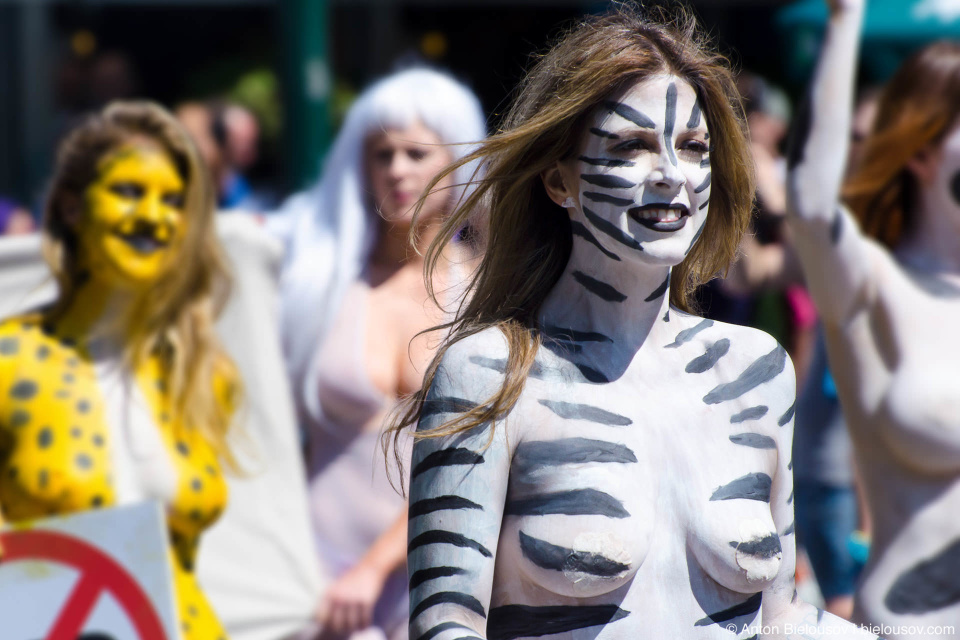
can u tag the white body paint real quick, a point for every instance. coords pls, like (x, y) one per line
(893, 346)
(684, 476)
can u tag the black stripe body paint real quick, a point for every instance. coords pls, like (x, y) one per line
(630, 114)
(607, 181)
(442, 503)
(670, 120)
(699, 232)
(608, 199)
(703, 185)
(563, 334)
(791, 529)
(694, 120)
(712, 355)
(580, 230)
(449, 597)
(929, 585)
(549, 556)
(754, 440)
(604, 134)
(576, 502)
(705, 162)
(753, 486)
(591, 374)
(434, 573)
(436, 536)
(687, 334)
(611, 230)
(763, 369)
(606, 162)
(836, 226)
(955, 187)
(590, 413)
(788, 414)
(751, 606)
(447, 404)
(750, 413)
(763, 548)
(600, 289)
(659, 291)
(704, 205)
(531, 456)
(447, 458)
(522, 621)
(440, 628)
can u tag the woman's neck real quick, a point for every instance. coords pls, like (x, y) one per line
(98, 313)
(394, 249)
(625, 301)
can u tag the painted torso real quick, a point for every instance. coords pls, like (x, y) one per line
(59, 452)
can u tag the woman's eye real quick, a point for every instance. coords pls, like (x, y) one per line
(694, 146)
(383, 156)
(174, 200)
(127, 190)
(417, 155)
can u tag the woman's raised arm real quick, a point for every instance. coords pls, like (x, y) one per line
(837, 259)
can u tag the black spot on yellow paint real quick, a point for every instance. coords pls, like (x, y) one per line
(72, 362)
(97, 440)
(83, 406)
(97, 502)
(47, 328)
(68, 342)
(19, 418)
(164, 417)
(83, 461)
(211, 471)
(69, 378)
(9, 346)
(195, 515)
(196, 485)
(183, 449)
(76, 432)
(62, 394)
(43, 352)
(192, 611)
(45, 437)
(43, 478)
(24, 390)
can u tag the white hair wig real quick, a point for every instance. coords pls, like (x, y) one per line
(329, 231)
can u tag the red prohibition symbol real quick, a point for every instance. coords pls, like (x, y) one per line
(99, 573)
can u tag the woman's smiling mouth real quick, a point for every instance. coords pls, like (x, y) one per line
(143, 242)
(660, 217)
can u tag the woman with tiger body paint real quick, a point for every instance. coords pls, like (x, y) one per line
(885, 275)
(592, 459)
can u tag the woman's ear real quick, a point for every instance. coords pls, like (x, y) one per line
(556, 186)
(924, 164)
(71, 209)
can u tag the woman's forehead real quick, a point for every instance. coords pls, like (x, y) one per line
(655, 102)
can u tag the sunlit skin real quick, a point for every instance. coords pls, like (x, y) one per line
(55, 442)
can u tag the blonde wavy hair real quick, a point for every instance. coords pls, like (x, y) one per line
(527, 237)
(176, 321)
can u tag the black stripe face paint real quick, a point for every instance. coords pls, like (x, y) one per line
(763, 369)
(753, 486)
(632, 115)
(703, 185)
(581, 231)
(605, 198)
(549, 556)
(603, 134)
(659, 291)
(607, 181)
(670, 120)
(522, 621)
(576, 502)
(600, 289)
(752, 413)
(606, 162)
(532, 456)
(705, 163)
(750, 607)
(713, 354)
(611, 230)
(573, 411)
(788, 415)
(694, 121)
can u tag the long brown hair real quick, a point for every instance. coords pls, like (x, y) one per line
(916, 109)
(177, 319)
(527, 237)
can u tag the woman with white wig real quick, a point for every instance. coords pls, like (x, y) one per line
(353, 302)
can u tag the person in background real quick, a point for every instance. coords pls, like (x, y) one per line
(15, 219)
(354, 299)
(119, 391)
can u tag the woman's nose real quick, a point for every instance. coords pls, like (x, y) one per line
(666, 175)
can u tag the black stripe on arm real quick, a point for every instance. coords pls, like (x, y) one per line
(579, 230)
(836, 226)
(750, 606)
(530, 456)
(445, 404)
(521, 621)
(753, 486)
(751, 413)
(687, 334)
(710, 357)
(630, 114)
(437, 536)
(442, 503)
(659, 291)
(447, 458)
(610, 229)
(440, 628)
(576, 502)
(590, 413)
(433, 573)
(550, 556)
(763, 369)
(449, 597)
(606, 162)
(608, 199)
(754, 440)
(598, 288)
(607, 181)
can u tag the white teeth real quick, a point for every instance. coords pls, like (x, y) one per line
(661, 215)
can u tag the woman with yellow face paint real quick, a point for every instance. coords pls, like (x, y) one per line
(119, 391)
